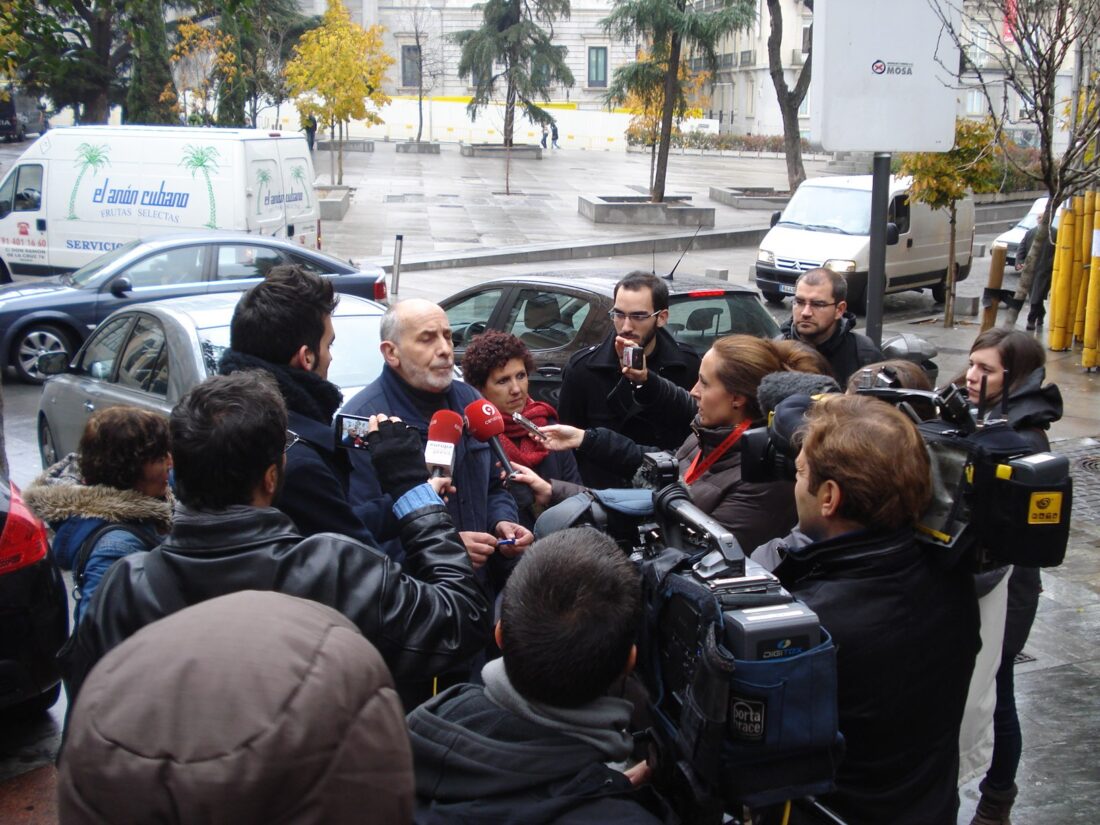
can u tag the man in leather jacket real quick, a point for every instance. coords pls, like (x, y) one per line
(228, 440)
(820, 318)
(905, 626)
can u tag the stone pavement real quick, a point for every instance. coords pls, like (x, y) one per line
(446, 203)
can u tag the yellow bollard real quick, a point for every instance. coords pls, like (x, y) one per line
(1092, 302)
(1063, 280)
(1086, 269)
(1078, 266)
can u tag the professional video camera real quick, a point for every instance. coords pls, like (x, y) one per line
(995, 500)
(741, 676)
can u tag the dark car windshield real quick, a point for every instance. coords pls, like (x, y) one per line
(702, 316)
(90, 270)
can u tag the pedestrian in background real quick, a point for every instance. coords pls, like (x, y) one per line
(554, 134)
(545, 135)
(310, 128)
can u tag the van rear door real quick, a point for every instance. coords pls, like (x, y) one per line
(302, 209)
(23, 226)
(264, 213)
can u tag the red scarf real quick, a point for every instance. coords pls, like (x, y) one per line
(696, 469)
(519, 445)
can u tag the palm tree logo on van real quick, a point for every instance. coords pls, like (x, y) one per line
(262, 177)
(299, 174)
(203, 159)
(87, 157)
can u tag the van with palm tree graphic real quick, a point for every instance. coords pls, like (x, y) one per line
(79, 192)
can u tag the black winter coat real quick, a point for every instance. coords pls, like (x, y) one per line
(424, 618)
(317, 477)
(594, 393)
(846, 350)
(906, 635)
(479, 764)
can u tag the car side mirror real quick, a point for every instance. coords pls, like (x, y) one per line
(891, 233)
(53, 363)
(775, 218)
(121, 286)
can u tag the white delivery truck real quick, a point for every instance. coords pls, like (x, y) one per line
(827, 223)
(79, 192)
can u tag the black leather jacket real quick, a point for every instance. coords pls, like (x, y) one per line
(424, 618)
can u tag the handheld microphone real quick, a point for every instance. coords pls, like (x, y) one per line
(486, 423)
(444, 432)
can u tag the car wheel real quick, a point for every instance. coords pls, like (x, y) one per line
(47, 446)
(40, 703)
(774, 298)
(939, 292)
(858, 304)
(33, 341)
(5, 276)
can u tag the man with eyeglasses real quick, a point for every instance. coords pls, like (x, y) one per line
(820, 318)
(229, 438)
(595, 391)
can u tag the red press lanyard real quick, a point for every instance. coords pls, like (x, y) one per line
(696, 469)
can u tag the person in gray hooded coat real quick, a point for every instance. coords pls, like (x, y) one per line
(256, 707)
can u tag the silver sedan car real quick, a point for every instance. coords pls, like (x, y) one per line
(150, 355)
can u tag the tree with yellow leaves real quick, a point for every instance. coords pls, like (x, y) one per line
(203, 59)
(336, 69)
(639, 87)
(942, 179)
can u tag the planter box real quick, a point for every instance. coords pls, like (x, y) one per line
(334, 202)
(424, 147)
(352, 145)
(745, 197)
(636, 209)
(521, 151)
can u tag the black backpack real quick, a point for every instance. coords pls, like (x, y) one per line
(89, 545)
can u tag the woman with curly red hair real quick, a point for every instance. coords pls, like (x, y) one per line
(498, 365)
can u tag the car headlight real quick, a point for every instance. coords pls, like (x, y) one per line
(840, 265)
(765, 257)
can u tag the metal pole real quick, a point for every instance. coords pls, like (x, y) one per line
(876, 275)
(395, 278)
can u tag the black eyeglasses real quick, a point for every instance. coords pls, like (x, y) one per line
(816, 306)
(619, 316)
(292, 438)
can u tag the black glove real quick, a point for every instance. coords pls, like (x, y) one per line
(397, 454)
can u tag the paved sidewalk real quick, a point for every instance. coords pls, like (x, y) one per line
(447, 203)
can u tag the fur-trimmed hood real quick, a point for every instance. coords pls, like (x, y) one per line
(59, 494)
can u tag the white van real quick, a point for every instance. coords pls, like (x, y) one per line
(79, 192)
(828, 222)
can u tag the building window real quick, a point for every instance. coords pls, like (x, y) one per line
(597, 66)
(975, 102)
(410, 65)
(804, 106)
(807, 38)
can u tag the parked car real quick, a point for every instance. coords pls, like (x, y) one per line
(827, 223)
(150, 355)
(1011, 239)
(558, 313)
(34, 610)
(55, 314)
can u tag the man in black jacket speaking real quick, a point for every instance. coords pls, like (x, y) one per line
(228, 439)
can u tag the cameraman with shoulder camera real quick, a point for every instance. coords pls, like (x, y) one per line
(906, 630)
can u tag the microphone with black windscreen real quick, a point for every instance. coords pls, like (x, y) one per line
(444, 432)
(486, 423)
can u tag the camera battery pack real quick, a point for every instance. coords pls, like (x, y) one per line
(771, 632)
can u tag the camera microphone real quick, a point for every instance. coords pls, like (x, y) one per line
(444, 432)
(486, 423)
